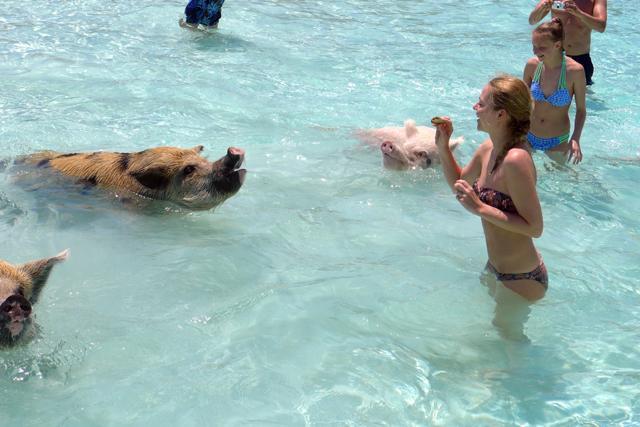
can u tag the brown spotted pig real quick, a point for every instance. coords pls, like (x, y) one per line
(178, 175)
(20, 287)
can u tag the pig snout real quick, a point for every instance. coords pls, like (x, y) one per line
(234, 158)
(387, 147)
(394, 156)
(16, 308)
(228, 176)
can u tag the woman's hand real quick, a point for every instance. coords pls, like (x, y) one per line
(467, 197)
(575, 153)
(444, 130)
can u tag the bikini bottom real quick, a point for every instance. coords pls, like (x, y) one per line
(539, 274)
(545, 144)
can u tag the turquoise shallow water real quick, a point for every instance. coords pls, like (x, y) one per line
(328, 291)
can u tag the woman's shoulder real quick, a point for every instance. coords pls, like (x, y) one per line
(483, 149)
(518, 157)
(533, 61)
(531, 64)
(530, 69)
(573, 65)
(486, 146)
(575, 72)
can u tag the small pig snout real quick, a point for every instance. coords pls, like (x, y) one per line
(387, 147)
(234, 158)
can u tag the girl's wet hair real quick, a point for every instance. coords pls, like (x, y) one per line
(553, 29)
(512, 95)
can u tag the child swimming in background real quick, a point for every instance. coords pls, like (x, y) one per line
(202, 14)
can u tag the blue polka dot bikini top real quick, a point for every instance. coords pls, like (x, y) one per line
(559, 98)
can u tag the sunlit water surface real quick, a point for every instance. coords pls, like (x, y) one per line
(328, 291)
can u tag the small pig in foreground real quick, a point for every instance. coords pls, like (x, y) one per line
(407, 147)
(20, 287)
(177, 175)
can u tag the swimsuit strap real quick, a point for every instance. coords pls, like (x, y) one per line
(536, 75)
(562, 83)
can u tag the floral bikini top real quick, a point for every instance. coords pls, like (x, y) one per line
(494, 198)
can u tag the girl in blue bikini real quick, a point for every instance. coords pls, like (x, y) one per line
(555, 80)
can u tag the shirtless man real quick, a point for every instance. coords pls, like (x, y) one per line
(579, 18)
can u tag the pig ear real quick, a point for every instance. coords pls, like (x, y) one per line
(153, 178)
(39, 271)
(410, 128)
(198, 148)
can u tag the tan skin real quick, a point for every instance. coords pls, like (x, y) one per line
(550, 121)
(508, 236)
(579, 18)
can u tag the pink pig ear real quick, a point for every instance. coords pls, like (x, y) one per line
(410, 128)
(198, 148)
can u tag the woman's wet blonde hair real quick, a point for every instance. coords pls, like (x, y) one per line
(512, 95)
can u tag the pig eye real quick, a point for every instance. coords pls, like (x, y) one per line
(188, 170)
(427, 159)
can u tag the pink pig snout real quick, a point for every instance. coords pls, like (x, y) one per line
(387, 147)
(234, 158)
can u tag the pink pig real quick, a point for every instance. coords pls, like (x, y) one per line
(407, 147)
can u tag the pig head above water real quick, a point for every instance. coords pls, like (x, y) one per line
(406, 147)
(20, 287)
(177, 175)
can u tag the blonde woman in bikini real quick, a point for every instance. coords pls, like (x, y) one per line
(499, 185)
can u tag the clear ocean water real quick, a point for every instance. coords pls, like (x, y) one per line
(328, 291)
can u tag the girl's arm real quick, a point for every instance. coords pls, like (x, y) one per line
(453, 171)
(579, 92)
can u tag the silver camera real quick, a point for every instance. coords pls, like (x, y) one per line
(558, 5)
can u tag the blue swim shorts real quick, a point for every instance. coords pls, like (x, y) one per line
(203, 12)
